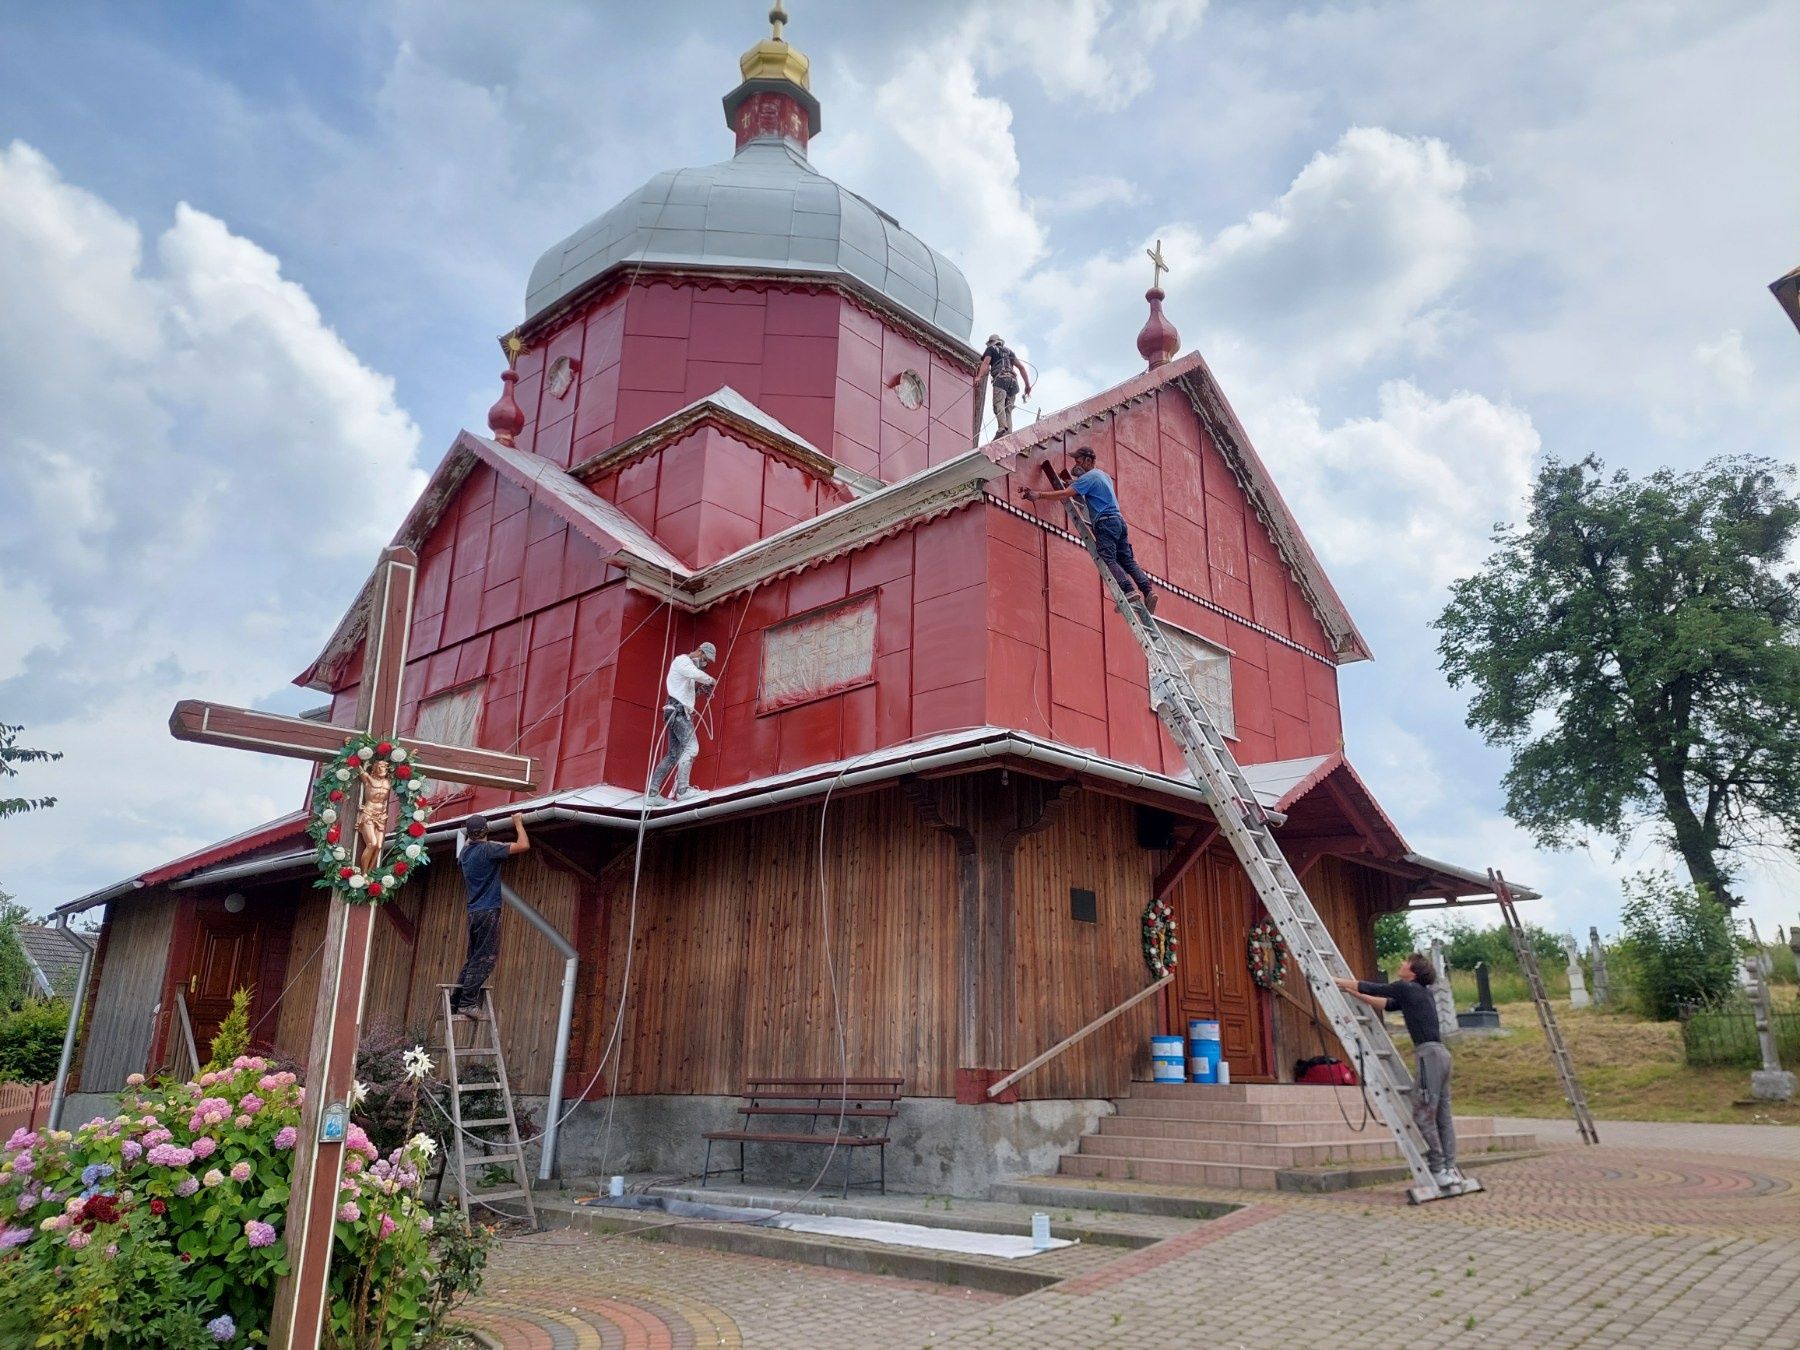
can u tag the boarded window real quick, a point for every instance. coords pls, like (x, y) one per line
(1208, 667)
(824, 652)
(450, 718)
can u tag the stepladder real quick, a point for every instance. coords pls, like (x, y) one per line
(1553, 1037)
(486, 1157)
(1246, 826)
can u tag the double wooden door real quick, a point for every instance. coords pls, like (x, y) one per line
(1214, 910)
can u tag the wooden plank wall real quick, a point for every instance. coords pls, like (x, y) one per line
(730, 976)
(117, 1037)
(1068, 972)
(1347, 897)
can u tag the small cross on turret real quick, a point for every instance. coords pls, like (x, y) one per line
(1157, 265)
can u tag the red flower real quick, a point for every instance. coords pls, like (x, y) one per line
(384, 747)
(346, 872)
(332, 835)
(404, 771)
(337, 794)
(185, 1258)
(159, 1206)
(374, 888)
(416, 829)
(400, 869)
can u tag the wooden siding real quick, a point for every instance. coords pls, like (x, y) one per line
(1347, 898)
(1070, 972)
(117, 1036)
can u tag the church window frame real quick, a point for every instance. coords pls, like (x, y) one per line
(1208, 667)
(451, 713)
(842, 670)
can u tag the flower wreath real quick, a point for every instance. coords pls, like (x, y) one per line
(1268, 955)
(1159, 938)
(404, 851)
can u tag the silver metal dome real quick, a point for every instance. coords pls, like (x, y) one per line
(765, 208)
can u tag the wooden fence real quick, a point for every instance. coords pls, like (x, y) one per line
(23, 1106)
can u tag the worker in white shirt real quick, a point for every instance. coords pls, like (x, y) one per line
(687, 677)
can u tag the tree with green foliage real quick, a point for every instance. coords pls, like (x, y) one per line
(1394, 939)
(11, 753)
(1677, 944)
(18, 982)
(1636, 647)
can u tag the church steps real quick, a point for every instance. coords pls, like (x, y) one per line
(1264, 1132)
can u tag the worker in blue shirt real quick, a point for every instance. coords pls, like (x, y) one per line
(1110, 535)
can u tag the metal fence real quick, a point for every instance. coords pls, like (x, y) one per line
(1728, 1037)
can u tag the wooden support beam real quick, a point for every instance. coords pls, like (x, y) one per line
(1186, 854)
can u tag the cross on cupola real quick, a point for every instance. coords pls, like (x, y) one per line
(1157, 265)
(1157, 340)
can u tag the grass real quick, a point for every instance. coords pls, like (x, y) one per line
(1630, 1069)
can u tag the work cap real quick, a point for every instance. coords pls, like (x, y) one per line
(995, 338)
(475, 825)
(707, 650)
(1084, 453)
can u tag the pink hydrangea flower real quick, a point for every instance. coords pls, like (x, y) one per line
(134, 1080)
(213, 1178)
(131, 1150)
(260, 1234)
(240, 1172)
(256, 1062)
(352, 1163)
(388, 1225)
(22, 1138)
(79, 1239)
(242, 1122)
(24, 1162)
(426, 1223)
(286, 1136)
(203, 1146)
(56, 1223)
(187, 1186)
(171, 1155)
(155, 1137)
(349, 1212)
(250, 1103)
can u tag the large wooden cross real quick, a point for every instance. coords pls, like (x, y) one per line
(301, 1297)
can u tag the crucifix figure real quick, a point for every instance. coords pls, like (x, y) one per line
(1157, 265)
(301, 1296)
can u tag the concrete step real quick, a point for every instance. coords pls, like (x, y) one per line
(1076, 1193)
(1319, 1154)
(1166, 1171)
(1265, 1132)
(1289, 1094)
(1179, 1109)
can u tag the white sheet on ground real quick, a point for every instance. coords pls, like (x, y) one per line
(1008, 1245)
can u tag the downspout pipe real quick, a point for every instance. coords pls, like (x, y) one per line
(565, 1019)
(59, 1093)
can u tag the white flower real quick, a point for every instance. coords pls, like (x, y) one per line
(358, 1093)
(328, 815)
(358, 881)
(366, 752)
(337, 854)
(398, 755)
(417, 1064)
(420, 813)
(342, 775)
(387, 883)
(413, 850)
(423, 1144)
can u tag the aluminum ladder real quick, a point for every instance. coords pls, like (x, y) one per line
(469, 1151)
(1242, 820)
(1559, 1052)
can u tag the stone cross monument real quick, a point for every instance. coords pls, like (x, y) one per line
(1771, 1083)
(1440, 992)
(1597, 959)
(1578, 994)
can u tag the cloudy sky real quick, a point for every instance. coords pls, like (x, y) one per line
(252, 259)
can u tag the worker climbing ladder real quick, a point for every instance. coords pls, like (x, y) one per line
(1559, 1052)
(1245, 825)
(470, 1153)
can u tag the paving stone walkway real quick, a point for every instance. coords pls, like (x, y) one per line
(1690, 1240)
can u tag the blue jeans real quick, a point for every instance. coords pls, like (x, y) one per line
(1115, 551)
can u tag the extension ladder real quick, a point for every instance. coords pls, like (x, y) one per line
(1559, 1052)
(1245, 824)
(469, 1151)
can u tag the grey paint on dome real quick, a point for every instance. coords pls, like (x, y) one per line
(766, 207)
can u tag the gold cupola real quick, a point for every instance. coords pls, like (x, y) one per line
(775, 98)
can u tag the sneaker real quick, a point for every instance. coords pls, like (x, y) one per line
(1446, 1177)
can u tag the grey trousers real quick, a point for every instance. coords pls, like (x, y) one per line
(683, 749)
(1431, 1104)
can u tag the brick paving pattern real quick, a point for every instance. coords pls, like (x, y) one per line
(1691, 1240)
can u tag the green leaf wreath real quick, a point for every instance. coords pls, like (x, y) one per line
(403, 850)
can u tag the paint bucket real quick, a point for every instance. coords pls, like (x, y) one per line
(1040, 1232)
(1202, 1029)
(1200, 1070)
(1167, 1062)
(1222, 1070)
(1203, 1043)
(617, 1188)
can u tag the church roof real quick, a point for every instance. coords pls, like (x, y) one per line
(765, 209)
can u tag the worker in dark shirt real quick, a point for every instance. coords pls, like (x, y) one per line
(1001, 363)
(1111, 538)
(480, 858)
(1410, 996)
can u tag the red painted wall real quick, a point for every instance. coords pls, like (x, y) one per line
(817, 361)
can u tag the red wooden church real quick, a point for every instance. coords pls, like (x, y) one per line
(930, 777)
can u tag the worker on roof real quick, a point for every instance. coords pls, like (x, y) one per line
(1113, 541)
(687, 676)
(1002, 364)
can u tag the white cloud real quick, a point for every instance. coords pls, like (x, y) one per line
(1727, 364)
(208, 472)
(1091, 50)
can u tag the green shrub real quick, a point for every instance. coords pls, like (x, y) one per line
(31, 1041)
(1725, 1036)
(1679, 946)
(233, 1038)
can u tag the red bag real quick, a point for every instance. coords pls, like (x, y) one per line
(1330, 1071)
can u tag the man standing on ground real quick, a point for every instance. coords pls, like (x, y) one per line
(1002, 364)
(479, 858)
(687, 676)
(1410, 996)
(1096, 491)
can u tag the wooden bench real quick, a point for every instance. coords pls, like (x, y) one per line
(836, 1101)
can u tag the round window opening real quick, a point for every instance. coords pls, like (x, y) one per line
(911, 389)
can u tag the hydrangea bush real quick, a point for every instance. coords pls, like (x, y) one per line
(162, 1225)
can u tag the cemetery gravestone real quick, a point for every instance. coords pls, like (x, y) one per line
(1484, 1016)
(1578, 994)
(1440, 992)
(1597, 959)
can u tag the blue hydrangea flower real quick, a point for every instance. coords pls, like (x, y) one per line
(222, 1328)
(91, 1174)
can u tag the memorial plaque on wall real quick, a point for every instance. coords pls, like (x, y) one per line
(824, 652)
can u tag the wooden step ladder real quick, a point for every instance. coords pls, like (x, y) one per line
(1559, 1052)
(1245, 825)
(469, 1151)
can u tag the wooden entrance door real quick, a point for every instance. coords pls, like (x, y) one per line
(226, 955)
(1214, 910)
